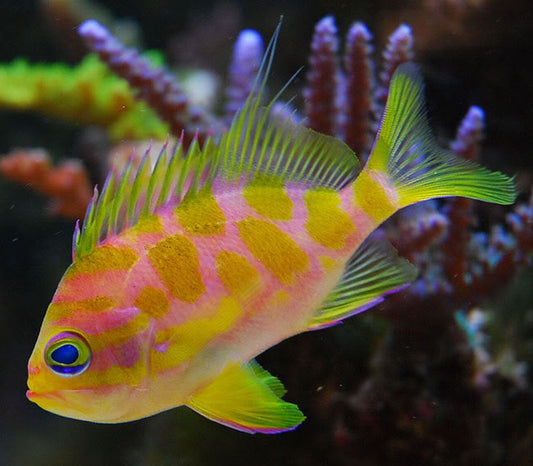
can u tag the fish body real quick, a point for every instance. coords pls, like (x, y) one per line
(184, 272)
(205, 292)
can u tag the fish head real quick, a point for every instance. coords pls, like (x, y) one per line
(91, 365)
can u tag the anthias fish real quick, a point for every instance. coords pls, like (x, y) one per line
(185, 271)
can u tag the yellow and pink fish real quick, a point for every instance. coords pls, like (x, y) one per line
(184, 272)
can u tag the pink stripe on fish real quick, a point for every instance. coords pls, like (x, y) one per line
(87, 286)
(106, 321)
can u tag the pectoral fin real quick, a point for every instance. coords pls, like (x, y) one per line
(247, 398)
(373, 271)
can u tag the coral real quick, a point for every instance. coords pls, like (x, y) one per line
(156, 86)
(434, 361)
(339, 102)
(321, 92)
(469, 134)
(247, 56)
(459, 211)
(437, 359)
(357, 115)
(87, 93)
(348, 102)
(63, 17)
(400, 48)
(455, 263)
(521, 223)
(90, 94)
(460, 265)
(67, 186)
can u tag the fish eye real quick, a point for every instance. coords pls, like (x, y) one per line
(67, 354)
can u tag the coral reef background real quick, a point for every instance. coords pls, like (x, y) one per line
(439, 375)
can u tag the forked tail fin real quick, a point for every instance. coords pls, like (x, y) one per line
(413, 162)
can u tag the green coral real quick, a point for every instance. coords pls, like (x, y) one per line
(87, 93)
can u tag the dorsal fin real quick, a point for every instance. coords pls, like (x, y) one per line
(139, 192)
(262, 147)
(258, 148)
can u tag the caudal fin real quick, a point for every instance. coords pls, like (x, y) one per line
(416, 165)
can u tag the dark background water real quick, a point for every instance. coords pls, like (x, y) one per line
(471, 53)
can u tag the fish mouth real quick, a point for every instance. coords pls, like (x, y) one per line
(36, 396)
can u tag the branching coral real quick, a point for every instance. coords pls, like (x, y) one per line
(407, 404)
(157, 87)
(430, 368)
(400, 48)
(68, 185)
(87, 93)
(357, 99)
(348, 102)
(459, 265)
(321, 92)
(339, 102)
(247, 56)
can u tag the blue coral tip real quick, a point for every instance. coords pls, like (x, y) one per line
(93, 28)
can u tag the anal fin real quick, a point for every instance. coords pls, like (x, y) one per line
(247, 398)
(373, 271)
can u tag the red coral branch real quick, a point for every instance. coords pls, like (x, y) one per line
(68, 185)
(357, 104)
(321, 92)
(400, 49)
(459, 210)
(417, 228)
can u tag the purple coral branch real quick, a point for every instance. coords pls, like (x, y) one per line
(247, 56)
(521, 224)
(356, 108)
(400, 49)
(469, 134)
(155, 85)
(466, 265)
(320, 93)
(459, 210)
(417, 228)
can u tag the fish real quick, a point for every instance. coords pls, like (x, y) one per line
(187, 268)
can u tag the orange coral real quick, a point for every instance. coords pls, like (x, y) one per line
(67, 185)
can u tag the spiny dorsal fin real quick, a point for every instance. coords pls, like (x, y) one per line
(258, 148)
(374, 270)
(138, 192)
(247, 398)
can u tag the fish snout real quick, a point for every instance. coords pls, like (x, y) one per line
(33, 370)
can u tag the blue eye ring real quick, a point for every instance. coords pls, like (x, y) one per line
(67, 354)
